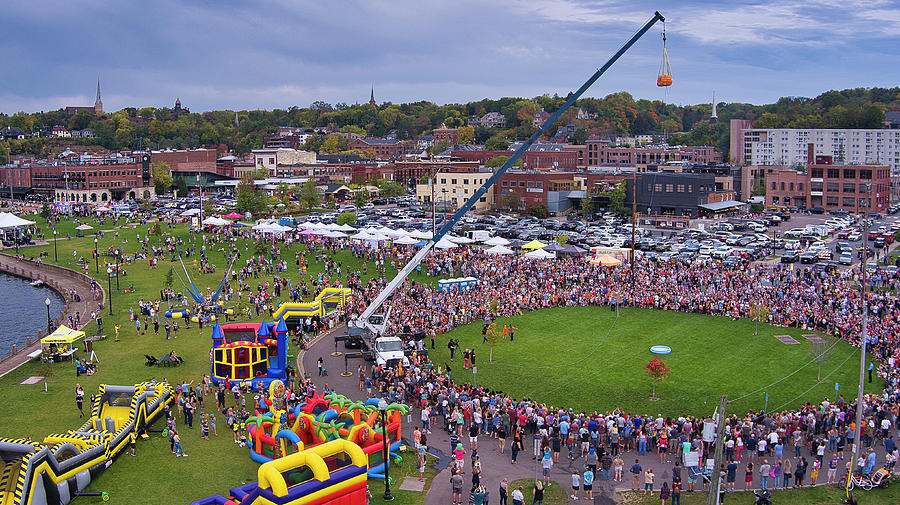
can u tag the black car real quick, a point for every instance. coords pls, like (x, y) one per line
(816, 210)
(790, 257)
(809, 258)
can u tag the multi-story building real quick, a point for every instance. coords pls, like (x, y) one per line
(493, 120)
(443, 133)
(382, 149)
(788, 146)
(451, 190)
(192, 159)
(413, 172)
(87, 180)
(674, 193)
(533, 186)
(829, 185)
(271, 159)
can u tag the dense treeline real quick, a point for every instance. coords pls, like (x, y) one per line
(615, 114)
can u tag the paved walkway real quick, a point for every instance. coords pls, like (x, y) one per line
(63, 281)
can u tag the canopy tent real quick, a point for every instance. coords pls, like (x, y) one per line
(445, 244)
(84, 227)
(499, 250)
(215, 221)
(534, 245)
(190, 212)
(425, 235)
(554, 248)
(240, 225)
(540, 254)
(496, 241)
(8, 220)
(459, 240)
(233, 215)
(515, 243)
(606, 260)
(309, 231)
(407, 240)
(362, 235)
(102, 208)
(335, 234)
(63, 335)
(344, 227)
(573, 249)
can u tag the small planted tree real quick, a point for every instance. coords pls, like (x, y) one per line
(657, 370)
(758, 313)
(492, 334)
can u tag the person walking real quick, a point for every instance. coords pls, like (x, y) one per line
(79, 398)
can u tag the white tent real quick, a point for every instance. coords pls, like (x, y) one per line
(308, 225)
(335, 234)
(362, 235)
(499, 249)
(190, 212)
(496, 241)
(445, 244)
(379, 237)
(216, 221)
(407, 240)
(424, 235)
(84, 227)
(540, 254)
(345, 227)
(459, 240)
(8, 220)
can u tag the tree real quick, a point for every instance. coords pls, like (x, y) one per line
(617, 200)
(587, 206)
(510, 200)
(346, 218)
(388, 189)
(539, 210)
(334, 144)
(248, 200)
(309, 194)
(562, 239)
(162, 177)
(498, 142)
(758, 313)
(465, 134)
(498, 161)
(169, 280)
(440, 147)
(492, 334)
(657, 370)
(45, 211)
(181, 187)
(361, 197)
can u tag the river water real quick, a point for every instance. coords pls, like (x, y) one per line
(23, 311)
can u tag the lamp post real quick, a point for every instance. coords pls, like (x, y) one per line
(109, 287)
(96, 255)
(47, 303)
(55, 255)
(117, 268)
(382, 409)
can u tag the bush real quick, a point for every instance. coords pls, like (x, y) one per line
(346, 218)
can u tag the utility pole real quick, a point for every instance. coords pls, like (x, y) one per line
(434, 175)
(863, 337)
(714, 480)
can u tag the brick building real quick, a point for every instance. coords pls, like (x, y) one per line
(382, 149)
(412, 172)
(533, 186)
(451, 135)
(194, 159)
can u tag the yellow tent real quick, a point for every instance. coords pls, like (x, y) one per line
(534, 245)
(606, 260)
(63, 335)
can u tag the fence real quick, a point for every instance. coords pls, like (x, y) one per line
(52, 276)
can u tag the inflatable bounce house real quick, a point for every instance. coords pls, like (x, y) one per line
(323, 306)
(333, 473)
(281, 430)
(56, 470)
(249, 352)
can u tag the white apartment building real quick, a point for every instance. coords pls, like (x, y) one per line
(271, 159)
(788, 146)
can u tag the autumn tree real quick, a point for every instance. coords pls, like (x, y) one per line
(162, 177)
(465, 135)
(758, 313)
(309, 194)
(658, 371)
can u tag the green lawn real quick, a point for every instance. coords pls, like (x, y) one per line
(582, 360)
(213, 466)
(553, 495)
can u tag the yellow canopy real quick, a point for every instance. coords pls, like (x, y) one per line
(534, 245)
(63, 335)
(606, 260)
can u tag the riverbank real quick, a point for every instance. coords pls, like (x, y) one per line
(62, 280)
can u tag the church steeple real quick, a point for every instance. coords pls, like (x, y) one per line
(715, 115)
(98, 104)
(372, 97)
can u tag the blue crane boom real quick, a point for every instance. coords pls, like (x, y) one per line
(392, 286)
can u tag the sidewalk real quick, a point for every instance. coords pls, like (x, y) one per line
(61, 280)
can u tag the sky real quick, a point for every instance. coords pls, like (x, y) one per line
(245, 55)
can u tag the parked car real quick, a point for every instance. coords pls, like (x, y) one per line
(846, 259)
(790, 257)
(809, 258)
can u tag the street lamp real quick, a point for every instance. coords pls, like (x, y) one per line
(96, 255)
(47, 303)
(382, 408)
(55, 256)
(109, 287)
(117, 268)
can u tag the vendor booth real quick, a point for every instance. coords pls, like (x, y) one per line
(60, 344)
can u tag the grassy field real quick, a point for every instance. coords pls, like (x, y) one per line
(553, 495)
(213, 466)
(584, 358)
